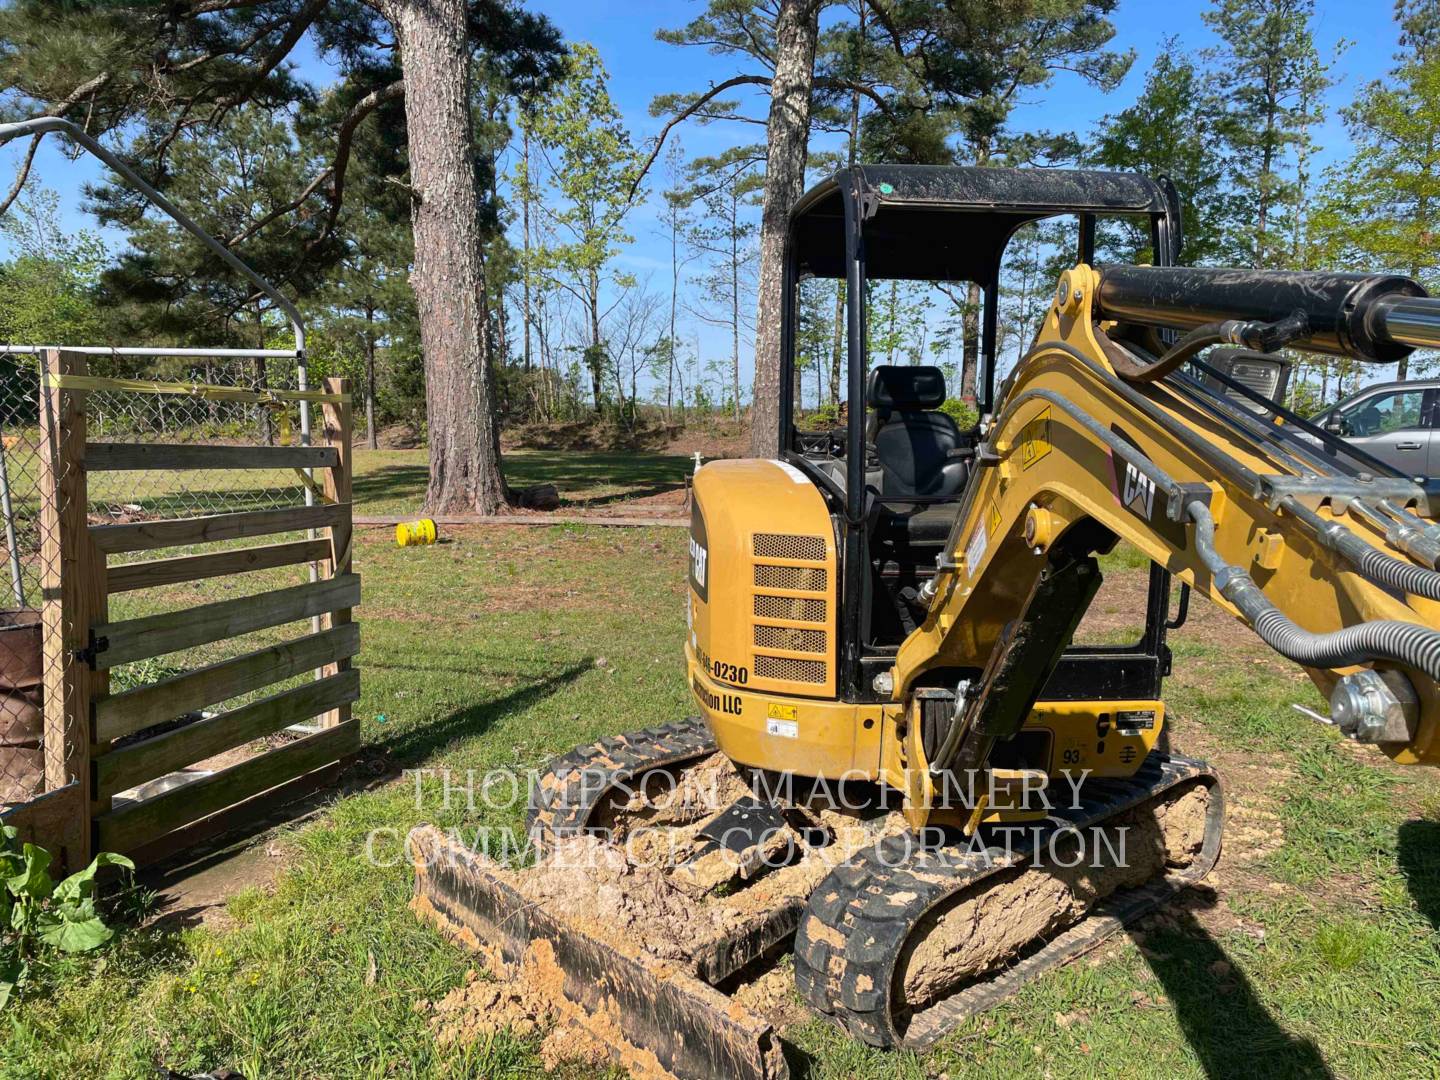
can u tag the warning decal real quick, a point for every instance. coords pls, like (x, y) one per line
(1035, 439)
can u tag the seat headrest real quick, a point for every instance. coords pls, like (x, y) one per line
(893, 386)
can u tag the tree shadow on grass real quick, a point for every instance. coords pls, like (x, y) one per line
(416, 744)
(1419, 857)
(1224, 1020)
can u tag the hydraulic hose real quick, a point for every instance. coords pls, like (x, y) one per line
(1374, 564)
(1400, 642)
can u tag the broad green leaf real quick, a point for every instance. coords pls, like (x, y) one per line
(82, 882)
(75, 936)
(34, 878)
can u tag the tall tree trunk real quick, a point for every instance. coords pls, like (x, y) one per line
(595, 359)
(837, 344)
(372, 438)
(525, 224)
(735, 298)
(970, 331)
(267, 424)
(448, 278)
(787, 139)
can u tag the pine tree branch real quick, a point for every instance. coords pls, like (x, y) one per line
(22, 175)
(687, 112)
(86, 89)
(335, 171)
(272, 59)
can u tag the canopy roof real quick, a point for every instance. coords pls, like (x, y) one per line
(941, 223)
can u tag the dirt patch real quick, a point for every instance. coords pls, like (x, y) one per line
(481, 1006)
(976, 934)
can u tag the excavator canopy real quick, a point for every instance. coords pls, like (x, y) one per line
(897, 205)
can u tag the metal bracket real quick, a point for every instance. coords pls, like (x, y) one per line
(88, 654)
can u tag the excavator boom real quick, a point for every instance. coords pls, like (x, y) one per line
(1100, 435)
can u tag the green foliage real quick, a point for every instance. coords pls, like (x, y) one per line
(596, 166)
(1171, 130)
(35, 911)
(1379, 209)
(1269, 77)
(49, 286)
(962, 412)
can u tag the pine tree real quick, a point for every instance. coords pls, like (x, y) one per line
(1172, 130)
(1380, 208)
(594, 173)
(1270, 78)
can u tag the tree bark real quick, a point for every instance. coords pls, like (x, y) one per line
(786, 143)
(372, 439)
(970, 331)
(448, 278)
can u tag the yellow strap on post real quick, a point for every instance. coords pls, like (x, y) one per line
(201, 390)
(309, 482)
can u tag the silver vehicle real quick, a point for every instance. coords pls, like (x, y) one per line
(1394, 422)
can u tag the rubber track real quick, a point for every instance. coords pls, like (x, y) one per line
(856, 923)
(567, 793)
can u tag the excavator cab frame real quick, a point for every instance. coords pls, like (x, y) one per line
(870, 223)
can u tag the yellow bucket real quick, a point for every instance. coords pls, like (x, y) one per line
(414, 533)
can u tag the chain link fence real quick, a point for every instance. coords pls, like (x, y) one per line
(115, 415)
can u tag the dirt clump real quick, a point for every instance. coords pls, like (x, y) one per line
(481, 1006)
(592, 885)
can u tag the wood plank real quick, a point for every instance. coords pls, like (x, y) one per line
(170, 631)
(72, 581)
(173, 532)
(138, 823)
(156, 572)
(121, 769)
(123, 457)
(248, 818)
(124, 714)
(58, 821)
(338, 424)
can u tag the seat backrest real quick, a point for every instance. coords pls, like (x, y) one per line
(912, 439)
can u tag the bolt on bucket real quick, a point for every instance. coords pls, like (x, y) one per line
(415, 533)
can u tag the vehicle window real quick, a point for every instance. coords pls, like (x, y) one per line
(1384, 413)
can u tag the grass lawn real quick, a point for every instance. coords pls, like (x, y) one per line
(1316, 952)
(393, 481)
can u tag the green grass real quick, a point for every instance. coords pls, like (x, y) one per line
(483, 653)
(393, 481)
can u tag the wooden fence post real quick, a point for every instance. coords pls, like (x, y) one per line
(337, 482)
(73, 587)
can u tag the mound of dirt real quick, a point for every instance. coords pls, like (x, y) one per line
(480, 1007)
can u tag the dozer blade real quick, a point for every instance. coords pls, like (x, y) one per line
(658, 1018)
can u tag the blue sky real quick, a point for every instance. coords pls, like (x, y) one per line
(641, 67)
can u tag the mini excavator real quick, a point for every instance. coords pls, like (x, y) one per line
(892, 606)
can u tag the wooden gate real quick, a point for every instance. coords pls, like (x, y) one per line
(155, 729)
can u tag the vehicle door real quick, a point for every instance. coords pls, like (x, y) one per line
(1394, 425)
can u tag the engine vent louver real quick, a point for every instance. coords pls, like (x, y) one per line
(794, 608)
(769, 608)
(788, 669)
(790, 638)
(800, 578)
(785, 546)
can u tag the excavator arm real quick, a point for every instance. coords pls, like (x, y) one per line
(1099, 439)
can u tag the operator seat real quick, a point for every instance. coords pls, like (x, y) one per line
(918, 448)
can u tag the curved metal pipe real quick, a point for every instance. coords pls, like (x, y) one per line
(42, 124)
